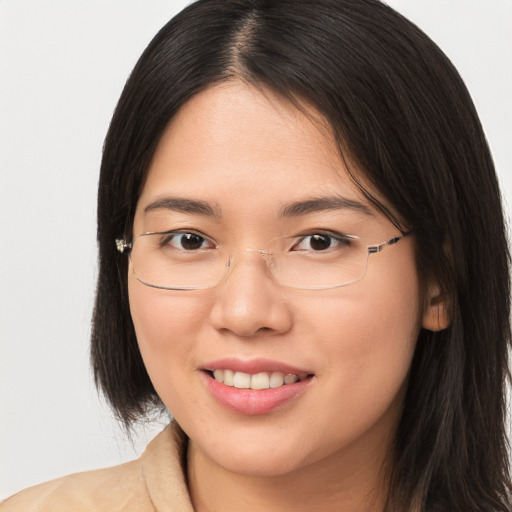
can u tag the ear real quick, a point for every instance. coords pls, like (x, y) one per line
(437, 310)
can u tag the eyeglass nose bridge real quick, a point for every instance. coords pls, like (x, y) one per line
(267, 255)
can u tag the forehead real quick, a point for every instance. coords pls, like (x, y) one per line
(235, 145)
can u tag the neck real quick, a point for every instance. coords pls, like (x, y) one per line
(351, 481)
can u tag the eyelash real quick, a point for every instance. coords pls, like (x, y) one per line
(171, 235)
(338, 238)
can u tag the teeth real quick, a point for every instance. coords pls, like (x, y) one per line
(276, 380)
(229, 377)
(291, 378)
(262, 380)
(242, 380)
(219, 375)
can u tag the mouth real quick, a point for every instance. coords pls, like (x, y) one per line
(256, 381)
(255, 387)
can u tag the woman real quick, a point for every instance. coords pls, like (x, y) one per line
(337, 344)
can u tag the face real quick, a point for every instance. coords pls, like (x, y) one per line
(246, 155)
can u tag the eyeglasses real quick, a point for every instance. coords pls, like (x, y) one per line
(184, 260)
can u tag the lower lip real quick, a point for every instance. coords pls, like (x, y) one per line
(252, 402)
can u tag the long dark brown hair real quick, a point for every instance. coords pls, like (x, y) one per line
(403, 117)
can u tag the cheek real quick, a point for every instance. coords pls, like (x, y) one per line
(166, 325)
(366, 343)
(367, 336)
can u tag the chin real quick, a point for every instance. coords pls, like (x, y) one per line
(261, 464)
(253, 452)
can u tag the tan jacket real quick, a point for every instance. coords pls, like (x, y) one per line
(154, 482)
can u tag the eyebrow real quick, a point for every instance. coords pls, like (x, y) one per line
(179, 204)
(295, 209)
(321, 204)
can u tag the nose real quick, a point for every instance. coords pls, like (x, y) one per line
(248, 302)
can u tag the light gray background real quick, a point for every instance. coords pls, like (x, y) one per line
(62, 67)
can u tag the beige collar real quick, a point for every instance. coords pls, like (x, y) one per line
(163, 468)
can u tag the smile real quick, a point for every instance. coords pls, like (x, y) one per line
(258, 381)
(261, 388)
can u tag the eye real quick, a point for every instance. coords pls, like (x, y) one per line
(322, 242)
(187, 241)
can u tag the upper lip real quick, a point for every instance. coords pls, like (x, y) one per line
(253, 366)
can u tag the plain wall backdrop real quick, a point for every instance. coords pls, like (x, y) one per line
(63, 64)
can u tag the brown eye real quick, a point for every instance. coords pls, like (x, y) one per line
(191, 241)
(320, 242)
(186, 241)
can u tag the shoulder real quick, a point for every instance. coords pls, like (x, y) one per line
(138, 486)
(105, 489)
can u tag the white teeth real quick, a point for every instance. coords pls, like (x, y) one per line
(276, 380)
(262, 380)
(291, 378)
(229, 377)
(242, 380)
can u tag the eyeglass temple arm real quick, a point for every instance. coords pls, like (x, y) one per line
(380, 247)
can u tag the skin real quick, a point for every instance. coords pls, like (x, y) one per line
(246, 152)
